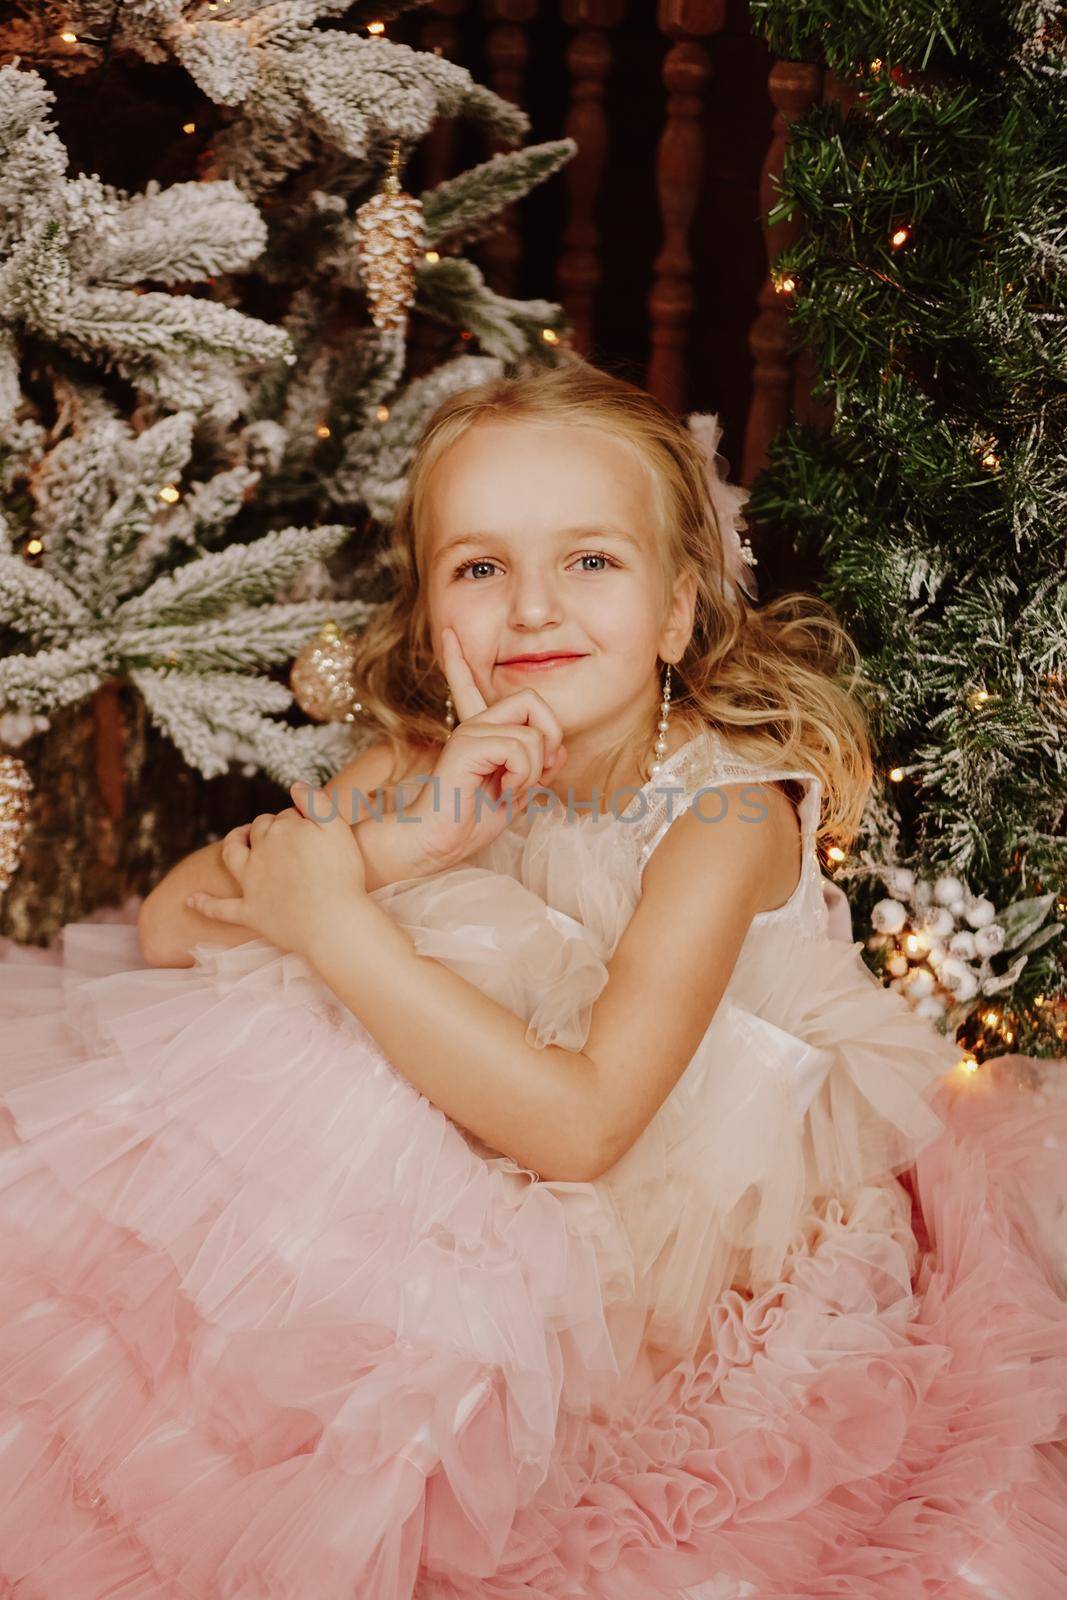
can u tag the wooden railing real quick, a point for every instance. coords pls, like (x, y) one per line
(681, 98)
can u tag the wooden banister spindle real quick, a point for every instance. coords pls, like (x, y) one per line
(428, 341)
(679, 169)
(508, 54)
(441, 36)
(793, 87)
(589, 59)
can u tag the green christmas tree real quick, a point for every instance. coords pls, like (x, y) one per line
(928, 281)
(189, 483)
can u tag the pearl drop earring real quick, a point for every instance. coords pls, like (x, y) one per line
(450, 715)
(664, 718)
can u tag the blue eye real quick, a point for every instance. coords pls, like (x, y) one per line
(467, 564)
(590, 555)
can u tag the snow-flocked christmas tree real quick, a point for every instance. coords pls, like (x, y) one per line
(206, 391)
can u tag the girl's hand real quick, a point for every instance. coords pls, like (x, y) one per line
(512, 745)
(291, 868)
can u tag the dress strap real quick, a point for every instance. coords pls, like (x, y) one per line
(809, 806)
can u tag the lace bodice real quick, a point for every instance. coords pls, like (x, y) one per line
(549, 851)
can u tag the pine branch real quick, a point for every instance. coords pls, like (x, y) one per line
(243, 573)
(453, 291)
(930, 291)
(458, 208)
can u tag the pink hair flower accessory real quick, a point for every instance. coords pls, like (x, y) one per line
(728, 501)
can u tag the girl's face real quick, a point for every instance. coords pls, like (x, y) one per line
(542, 539)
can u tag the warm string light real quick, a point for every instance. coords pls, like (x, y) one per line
(170, 493)
(382, 413)
(836, 853)
(996, 1022)
(896, 774)
(188, 127)
(997, 1028)
(34, 547)
(323, 431)
(375, 28)
(784, 282)
(68, 37)
(550, 336)
(900, 236)
(432, 255)
(986, 449)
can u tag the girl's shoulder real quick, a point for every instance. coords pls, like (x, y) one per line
(706, 761)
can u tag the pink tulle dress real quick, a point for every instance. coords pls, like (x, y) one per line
(272, 1327)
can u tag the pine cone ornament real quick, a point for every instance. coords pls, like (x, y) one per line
(390, 233)
(321, 676)
(15, 788)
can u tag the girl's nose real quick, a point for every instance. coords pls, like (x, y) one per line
(535, 602)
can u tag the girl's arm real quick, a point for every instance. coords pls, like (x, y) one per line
(569, 1115)
(168, 928)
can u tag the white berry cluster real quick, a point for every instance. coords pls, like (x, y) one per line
(942, 937)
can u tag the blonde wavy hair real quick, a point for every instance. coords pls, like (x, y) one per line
(781, 682)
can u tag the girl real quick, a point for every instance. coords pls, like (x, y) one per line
(513, 1190)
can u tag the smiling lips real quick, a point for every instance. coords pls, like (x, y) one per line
(541, 663)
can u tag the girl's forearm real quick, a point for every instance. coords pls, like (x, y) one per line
(390, 850)
(463, 1051)
(167, 928)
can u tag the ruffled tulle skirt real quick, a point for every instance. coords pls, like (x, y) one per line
(272, 1325)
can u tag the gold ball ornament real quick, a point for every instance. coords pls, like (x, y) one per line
(322, 677)
(389, 228)
(16, 787)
